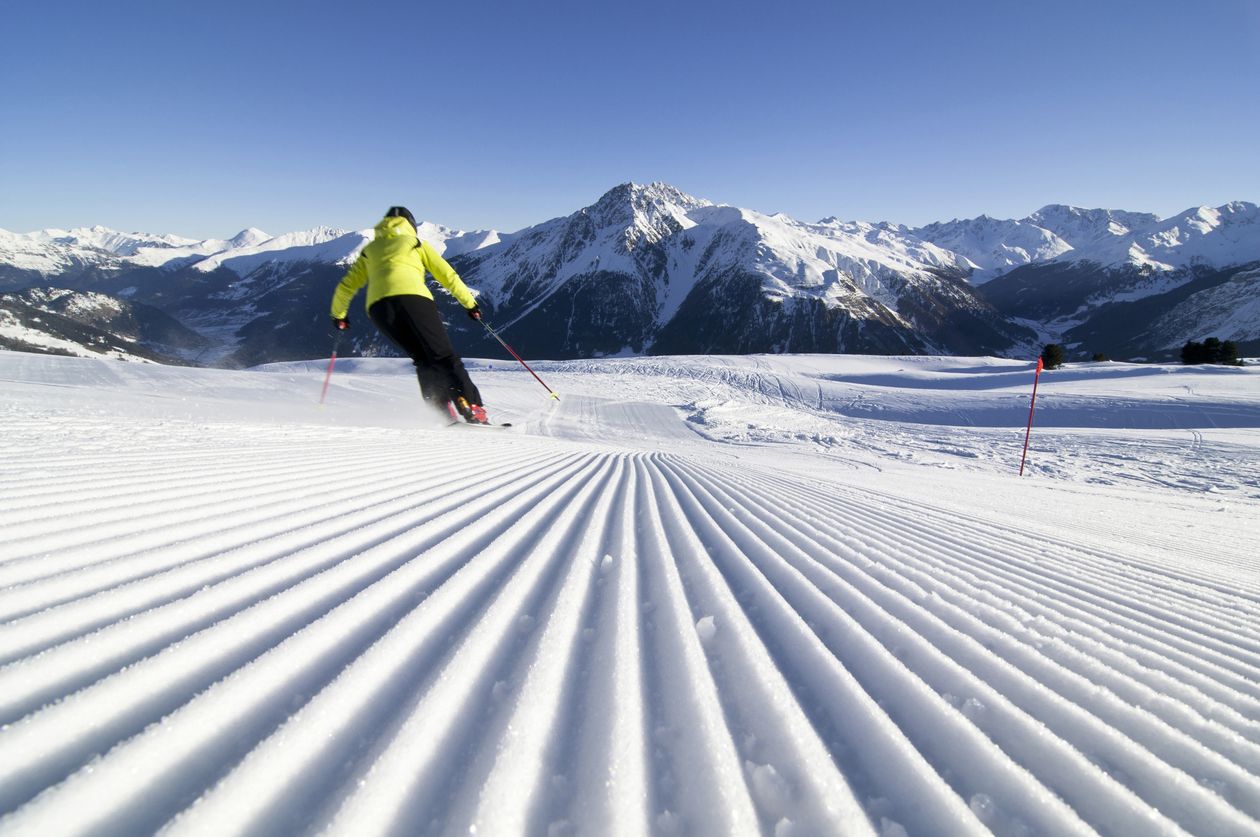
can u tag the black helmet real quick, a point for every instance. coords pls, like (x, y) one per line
(402, 212)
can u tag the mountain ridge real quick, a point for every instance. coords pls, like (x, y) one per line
(640, 269)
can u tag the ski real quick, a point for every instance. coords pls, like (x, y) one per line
(483, 426)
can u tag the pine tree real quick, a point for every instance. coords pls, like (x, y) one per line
(1052, 355)
(1211, 350)
(1192, 353)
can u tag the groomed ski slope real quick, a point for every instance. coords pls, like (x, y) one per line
(788, 596)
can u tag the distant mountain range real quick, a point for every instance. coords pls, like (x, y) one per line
(652, 270)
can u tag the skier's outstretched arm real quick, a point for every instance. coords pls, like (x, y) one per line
(446, 275)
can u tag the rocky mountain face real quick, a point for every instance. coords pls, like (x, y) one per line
(60, 321)
(652, 270)
(1143, 291)
(648, 269)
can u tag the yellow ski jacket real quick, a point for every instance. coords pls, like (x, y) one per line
(394, 264)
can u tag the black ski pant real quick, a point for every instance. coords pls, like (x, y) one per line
(413, 324)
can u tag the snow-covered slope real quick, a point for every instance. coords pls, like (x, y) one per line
(193, 252)
(86, 324)
(22, 330)
(1233, 308)
(1141, 291)
(1057, 231)
(842, 260)
(50, 251)
(993, 246)
(1109, 239)
(779, 595)
(620, 233)
(1203, 236)
(322, 244)
(1084, 229)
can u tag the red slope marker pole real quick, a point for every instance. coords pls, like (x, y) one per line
(1041, 364)
(331, 362)
(513, 353)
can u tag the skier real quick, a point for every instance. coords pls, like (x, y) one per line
(399, 302)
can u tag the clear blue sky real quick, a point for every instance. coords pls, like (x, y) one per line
(201, 118)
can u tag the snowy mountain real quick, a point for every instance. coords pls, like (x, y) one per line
(650, 269)
(761, 595)
(1200, 237)
(193, 252)
(320, 245)
(1116, 291)
(54, 252)
(59, 252)
(51, 251)
(995, 246)
(84, 324)
(238, 294)
(991, 246)
(1084, 229)
(1232, 306)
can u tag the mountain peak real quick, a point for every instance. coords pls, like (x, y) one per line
(643, 213)
(1239, 208)
(993, 245)
(249, 237)
(1089, 229)
(1059, 209)
(623, 202)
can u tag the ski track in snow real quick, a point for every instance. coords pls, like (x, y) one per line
(590, 623)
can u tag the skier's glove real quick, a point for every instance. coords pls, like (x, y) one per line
(474, 313)
(340, 323)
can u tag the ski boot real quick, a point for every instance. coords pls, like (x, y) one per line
(472, 413)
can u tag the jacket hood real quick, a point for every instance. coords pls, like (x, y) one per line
(393, 227)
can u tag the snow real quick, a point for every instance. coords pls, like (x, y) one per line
(40, 252)
(832, 259)
(12, 329)
(51, 251)
(451, 242)
(1218, 237)
(769, 594)
(1233, 308)
(322, 244)
(874, 259)
(1083, 228)
(99, 238)
(865, 267)
(994, 246)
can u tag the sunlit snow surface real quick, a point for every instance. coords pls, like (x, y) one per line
(781, 595)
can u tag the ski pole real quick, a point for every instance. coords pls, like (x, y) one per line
(1037, 377)
(331, 361)
(513, 353)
